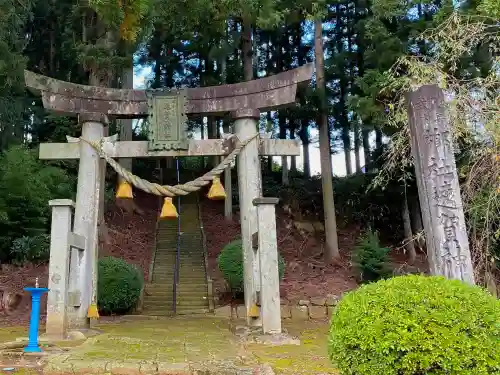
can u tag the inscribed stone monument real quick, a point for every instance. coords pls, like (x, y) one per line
(438, 185)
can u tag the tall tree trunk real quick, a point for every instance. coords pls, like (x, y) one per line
(332, 246)
(343, 119)
(125, 126)
(409, 245)
(247, 50)
(284, 159)
(378, 138)
(304, 137)
(304, 121)
(102, 79)
(357, 145)
(417, 224)
(346, 140)
(366, 148)
(228, 184)
(269, 158)
(293, 159)
(212, 134)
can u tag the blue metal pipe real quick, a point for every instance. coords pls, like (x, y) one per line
(36, 293)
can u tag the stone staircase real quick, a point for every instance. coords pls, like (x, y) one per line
(192, 287)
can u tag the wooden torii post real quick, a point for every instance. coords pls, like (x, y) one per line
(95, 105)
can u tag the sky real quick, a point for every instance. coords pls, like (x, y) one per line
(142, 75)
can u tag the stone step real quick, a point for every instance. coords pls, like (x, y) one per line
(194, 228)
(160, 306)
(189, 269)
(183, 279)
(192, 302)
(191, 292)
(157, 313)
(167, 294)
(183, 300)
(167, 305)
(200, 289)
(196, 311)
(191, 308)
(184, 273)
(183, 286)
(186, 280)
(170, 259)
(163, 261)
(185, 226)
(191, 264)
(190, 311)
(172, 235)
(158, 302)
(185, 248)
(170, 256)
(165, 239)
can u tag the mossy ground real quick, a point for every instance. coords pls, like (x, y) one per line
(198, 340)
(12, 333)
(310, 357)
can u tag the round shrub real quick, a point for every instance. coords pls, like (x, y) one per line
(118, 287)
(416, 325)
(230, 262)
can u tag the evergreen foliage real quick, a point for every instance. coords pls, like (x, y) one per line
(416, 325)
(26, 186)
(370, 258)
(230, 263)
(119, 286)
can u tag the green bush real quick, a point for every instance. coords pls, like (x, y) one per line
(370, 258)
(416, 325)
(26, 186)
(230, 262)
(30, 249)
(119, 286)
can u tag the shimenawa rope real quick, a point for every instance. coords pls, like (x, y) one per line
(167, 190)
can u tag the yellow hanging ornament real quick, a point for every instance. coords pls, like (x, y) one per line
(216, 191)
(253, 311)
(124, 190)
(168, 211)
(92, 312)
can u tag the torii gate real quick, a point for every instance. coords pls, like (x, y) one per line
(95, 105)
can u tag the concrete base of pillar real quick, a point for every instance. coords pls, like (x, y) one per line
(255, 335)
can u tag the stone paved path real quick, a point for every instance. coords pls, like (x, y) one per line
(182, 345)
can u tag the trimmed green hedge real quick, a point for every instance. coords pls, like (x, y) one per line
(416, 325)
(230, 262)
(119, 286)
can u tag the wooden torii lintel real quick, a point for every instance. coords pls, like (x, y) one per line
(262, 94)
(139, 149)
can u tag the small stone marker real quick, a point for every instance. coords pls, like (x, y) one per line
(268, 259)
(438, 187)
(63, 298)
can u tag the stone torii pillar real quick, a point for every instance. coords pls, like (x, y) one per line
(87, 214)
(245, 100)
(250, 188)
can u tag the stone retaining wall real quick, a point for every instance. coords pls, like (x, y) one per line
(314, 308)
